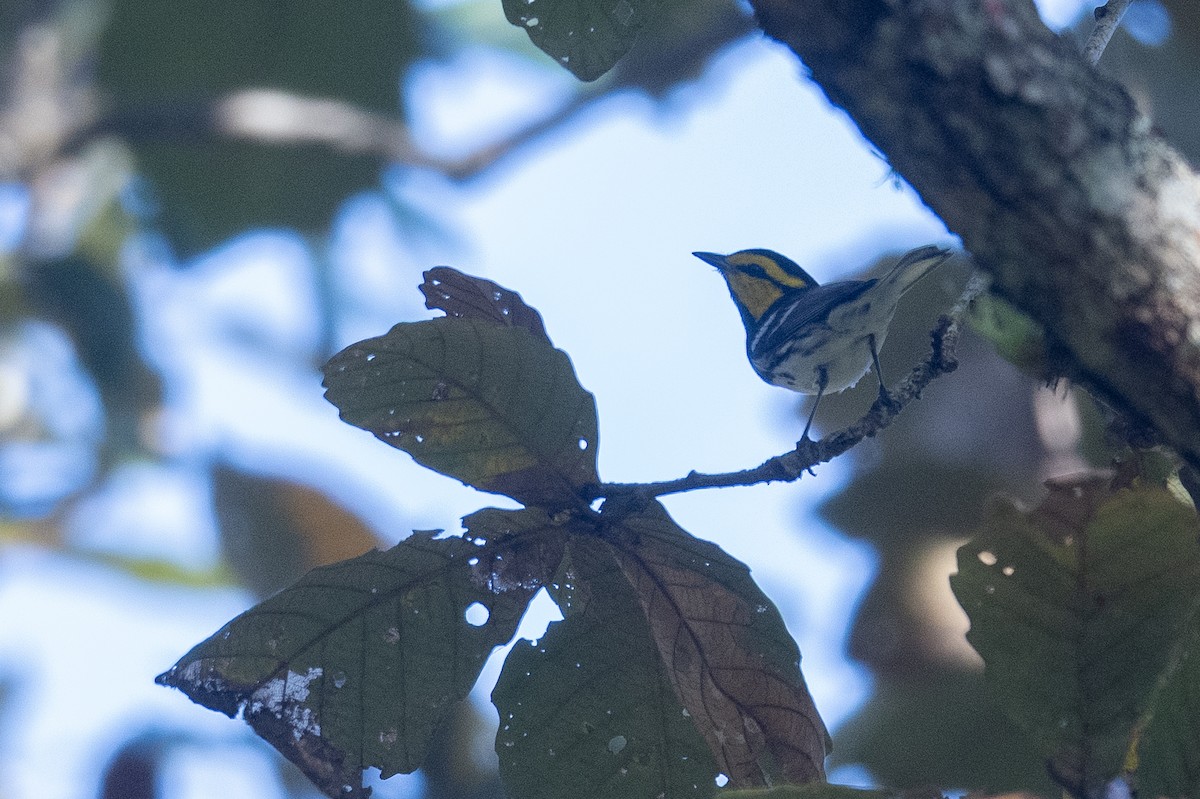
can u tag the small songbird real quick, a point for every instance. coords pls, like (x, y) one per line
(812, 338)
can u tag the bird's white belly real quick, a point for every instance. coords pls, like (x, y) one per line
(844, 365)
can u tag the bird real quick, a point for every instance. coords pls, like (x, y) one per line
(813, 338)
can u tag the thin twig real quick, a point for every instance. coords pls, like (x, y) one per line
(1108, 18)
(791, 466)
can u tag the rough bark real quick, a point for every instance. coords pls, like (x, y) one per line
(1058, 186)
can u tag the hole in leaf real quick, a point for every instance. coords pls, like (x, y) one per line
(583, 443)
(721, 780)
(987, 558)
(530, 23)
(477, 614)
(1008, 571)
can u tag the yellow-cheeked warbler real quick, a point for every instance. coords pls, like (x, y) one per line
(812, 338)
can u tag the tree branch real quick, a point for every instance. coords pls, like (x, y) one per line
(1108, 19)
(1060, 189)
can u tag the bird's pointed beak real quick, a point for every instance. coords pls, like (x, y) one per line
(713, 258)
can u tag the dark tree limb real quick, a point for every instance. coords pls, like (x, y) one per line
(1059, 187)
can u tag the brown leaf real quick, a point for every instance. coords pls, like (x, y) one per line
(274, 530)
(729, 656)
(467, 297)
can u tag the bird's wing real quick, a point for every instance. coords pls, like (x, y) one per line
(789, 314)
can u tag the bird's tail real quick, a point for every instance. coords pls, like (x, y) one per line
(914, 265)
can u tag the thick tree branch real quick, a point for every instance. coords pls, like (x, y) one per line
(1085, 218)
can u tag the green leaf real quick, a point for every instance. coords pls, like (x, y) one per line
(212, 188)
(586, 37)
(932, 708)
(165, 67)
(1015, 335)
(356, 664)
(1076, 608)
(588, 712)
(495, 407)
(726, 651)
(1169, 746)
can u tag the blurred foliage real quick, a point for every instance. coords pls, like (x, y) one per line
(1079, 609)
(179, 52)
(953, 735)
(1168, 750)
(165, 67)
(1016, 337)
(273, 530)
(91, 305)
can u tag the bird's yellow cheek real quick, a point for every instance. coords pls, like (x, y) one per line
(756, 294)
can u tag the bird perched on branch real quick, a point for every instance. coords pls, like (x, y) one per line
(815, 338)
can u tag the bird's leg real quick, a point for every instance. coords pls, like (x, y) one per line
(884, 397)
(822, 380)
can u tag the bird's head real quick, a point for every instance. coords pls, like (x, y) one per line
(757, 278)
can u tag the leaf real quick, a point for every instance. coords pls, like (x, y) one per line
(1075, 608)
(1169, 747)
(933, 709)
(211, 188)
(356, 664)
(727, 652)
(466, 297)
(1015, 335)
(166, 65)
(274, 530)
(586, 37)
(587, 712)
(495, 407)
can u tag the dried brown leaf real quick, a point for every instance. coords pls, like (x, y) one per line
(728, 654)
